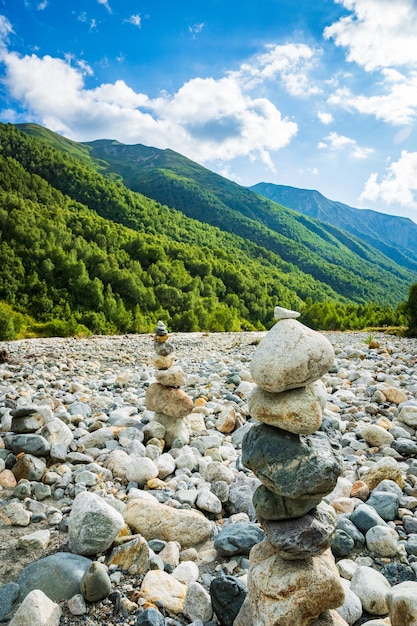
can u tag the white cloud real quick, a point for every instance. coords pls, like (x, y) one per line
(5, 28)
(325, 118)
(42, 5)
(209, 120)
(397, 105)
(196, 29)
(290, 63)
(106, 4)
(136, 20)
(334, 141)
(398, 186)
(378, 34)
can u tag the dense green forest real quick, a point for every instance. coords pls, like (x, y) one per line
(82, 253)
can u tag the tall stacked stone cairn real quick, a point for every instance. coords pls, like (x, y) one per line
(293, 579)
(170, 403)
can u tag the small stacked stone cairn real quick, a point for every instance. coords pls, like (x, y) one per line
(165, 397)
(292, 578)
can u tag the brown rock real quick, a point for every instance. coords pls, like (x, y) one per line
(297, 411)
(132, 556)
(360, 490)
(158, 586)
(159, 521)
(291, 592)
(7, 479)
(168, 400)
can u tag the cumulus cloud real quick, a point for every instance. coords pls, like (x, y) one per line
(334, 141)
(379, 33)
(396, 105)
(209, 120)
(399, 184)
(290, 63)
(325, 118)
(379, 36)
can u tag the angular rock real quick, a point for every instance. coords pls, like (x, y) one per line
(29, 467)
(238, 538)
(158, 521)
(278, 588)
(158, 586)
(304, 536)
(93, 524)
(227, 596)
(150, 617)
(132, 556)
(197, 604)
(37, 610)
(296, 466)
(290, 355)
(297, 411)
(365, 516)
(385, 468)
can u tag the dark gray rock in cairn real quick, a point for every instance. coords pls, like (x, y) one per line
(293, 577)
(170, 403)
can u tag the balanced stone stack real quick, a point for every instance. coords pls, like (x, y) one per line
(292, 578)
(165, 397)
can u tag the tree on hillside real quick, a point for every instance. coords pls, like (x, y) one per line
(411, 308)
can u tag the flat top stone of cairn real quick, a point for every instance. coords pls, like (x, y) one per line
(281, 314)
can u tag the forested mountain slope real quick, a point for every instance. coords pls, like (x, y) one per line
(76, 241)
(395, 236)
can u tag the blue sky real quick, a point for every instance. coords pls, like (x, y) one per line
(318, 95)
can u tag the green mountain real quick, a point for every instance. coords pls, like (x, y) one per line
(78, 246)
(396, 237)
(353, 268)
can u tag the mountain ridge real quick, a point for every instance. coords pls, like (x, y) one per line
(385, 232)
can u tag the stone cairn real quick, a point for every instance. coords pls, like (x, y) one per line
(170, 403)
(293, 578)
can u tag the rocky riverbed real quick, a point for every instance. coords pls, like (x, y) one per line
(169, 529)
